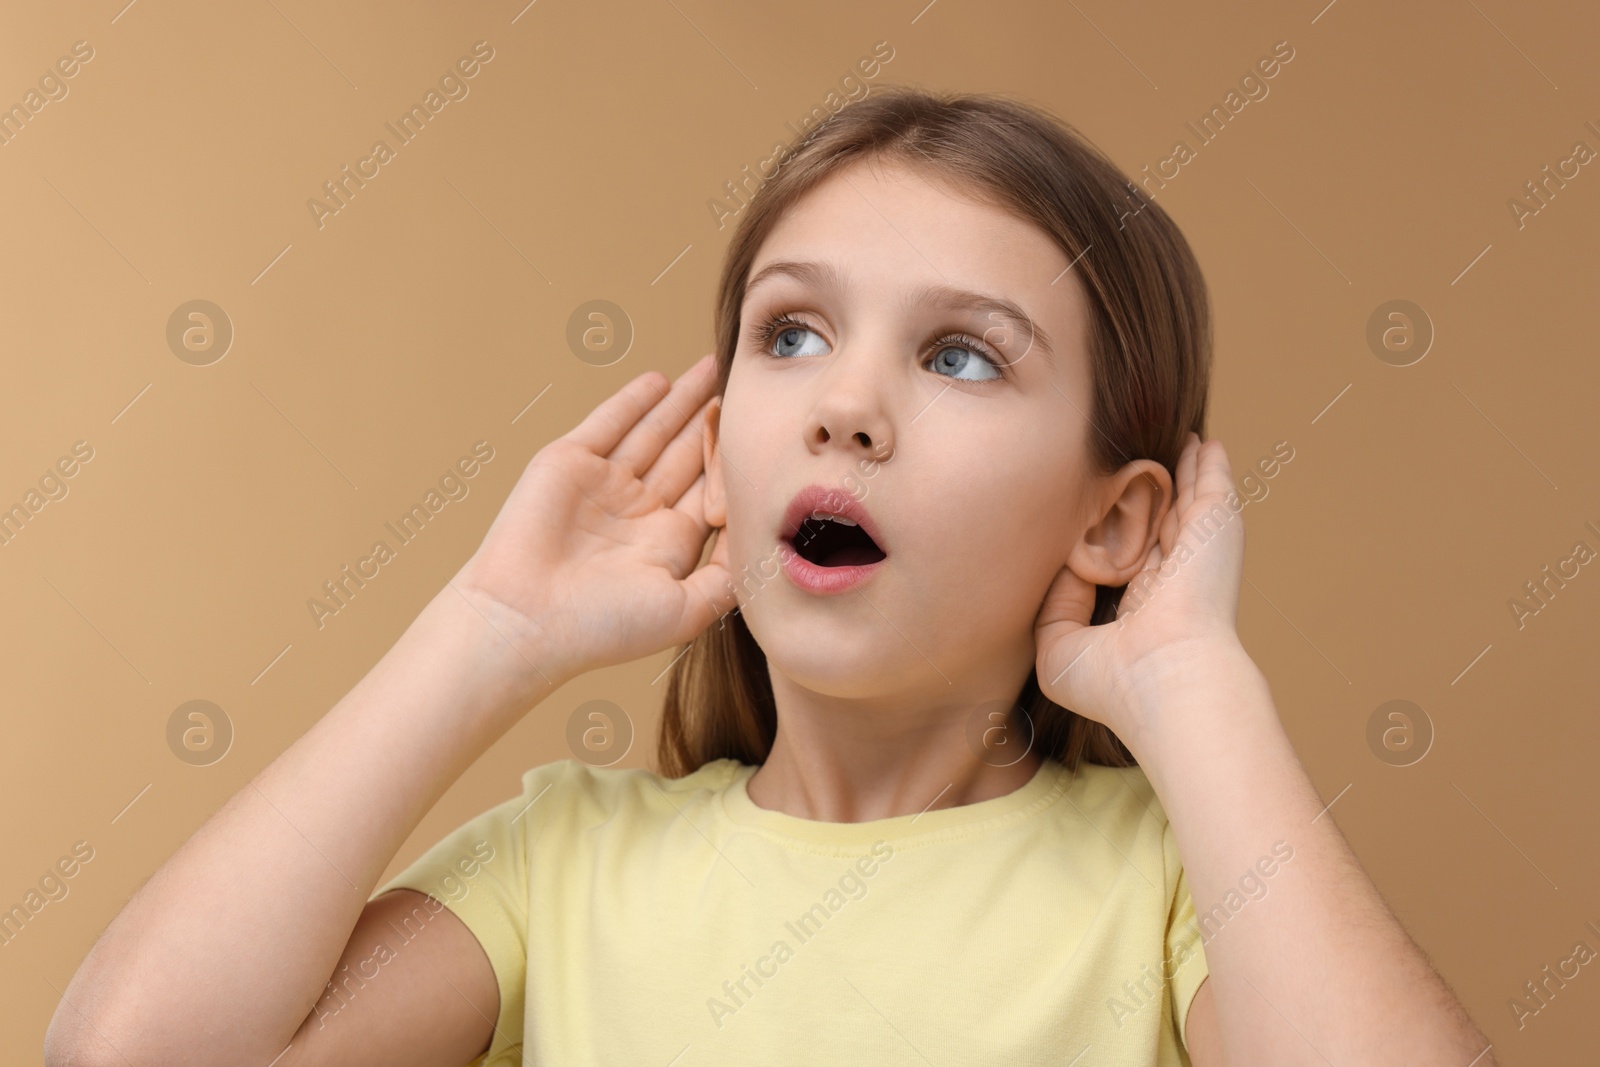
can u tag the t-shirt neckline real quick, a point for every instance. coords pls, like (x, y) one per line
(1048, 783)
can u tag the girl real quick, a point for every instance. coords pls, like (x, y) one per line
(963, 761)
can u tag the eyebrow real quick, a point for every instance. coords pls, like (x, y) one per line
(827, 276)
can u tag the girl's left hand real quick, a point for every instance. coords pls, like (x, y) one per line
(1176, 619)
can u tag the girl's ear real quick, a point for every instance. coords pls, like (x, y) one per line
(1131, 505)
(715, 504)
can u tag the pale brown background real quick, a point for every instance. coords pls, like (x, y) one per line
(433, 309)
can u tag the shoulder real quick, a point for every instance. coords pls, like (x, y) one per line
(1120, 796)
(1119, 808)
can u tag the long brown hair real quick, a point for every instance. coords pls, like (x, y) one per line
(1149, 350)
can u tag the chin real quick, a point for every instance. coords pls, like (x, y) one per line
(834, 658)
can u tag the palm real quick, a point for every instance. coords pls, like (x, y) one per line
(596, 547)
(1184, 601)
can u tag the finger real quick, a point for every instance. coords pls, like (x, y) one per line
(1214, 476)
(719, 548)
(681, 461)
(1168, 538)
(603, 427)
(1186, 469)
(709, 596)
(691, 503)
(1069, 601)
(661, 424)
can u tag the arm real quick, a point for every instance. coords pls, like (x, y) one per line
(1306, 963)
(223, 954)
(1317, 970)
(433, 1002)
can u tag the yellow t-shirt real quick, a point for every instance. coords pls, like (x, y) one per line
(637, 919)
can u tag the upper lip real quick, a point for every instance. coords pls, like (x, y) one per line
(823, 500)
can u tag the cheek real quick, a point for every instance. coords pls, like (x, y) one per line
(753, 485)
(1017, 491)
(995, 528)
(1019, 524)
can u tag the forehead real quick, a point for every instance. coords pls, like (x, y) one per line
(888, 228)
(906, 213)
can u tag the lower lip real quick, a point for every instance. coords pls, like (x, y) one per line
(824, 581)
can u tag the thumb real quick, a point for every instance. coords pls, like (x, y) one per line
(1062, 634)
(719, 549)
(1068, 604)
(710, 589)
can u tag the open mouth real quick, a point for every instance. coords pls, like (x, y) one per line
(828, 528)
(835, 542)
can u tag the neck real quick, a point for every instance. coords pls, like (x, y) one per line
(849, 763)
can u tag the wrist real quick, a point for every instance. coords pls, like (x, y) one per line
(1190, 691)
(511, 657)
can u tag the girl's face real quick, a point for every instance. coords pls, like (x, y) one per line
(968, 452)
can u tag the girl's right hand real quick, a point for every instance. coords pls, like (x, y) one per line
(593, 555)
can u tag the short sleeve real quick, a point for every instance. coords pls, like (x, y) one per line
(1185, 966)
(480, 872)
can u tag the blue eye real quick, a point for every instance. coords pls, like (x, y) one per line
(975, 358)
(956, 355)
(787, 333)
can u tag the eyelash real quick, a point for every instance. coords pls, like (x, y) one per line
(774, 325)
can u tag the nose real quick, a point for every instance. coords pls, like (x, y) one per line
(850, 413)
